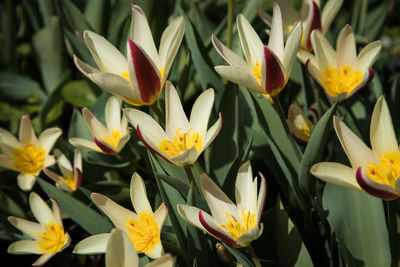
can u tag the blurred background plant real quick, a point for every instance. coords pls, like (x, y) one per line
(328, 226)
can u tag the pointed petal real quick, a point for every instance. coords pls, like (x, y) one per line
(170, 41)
(123, 141)
(141, 34)
(201, 112)
(383, 191)
(160, 215)
(251, 44)
(313, 22)
(240, 77)
(290, 15)
(275, 42)
(8, 142)
(62, 162)
(30, 228)
(26, 181)
(24, 247)
(346, 47)
(78, 159)
(228, 55)
(53, 176)
(120, 251)
(357, 152)
(314, 71)
(107, 57)
(95, 126)
(139, 196)
(105, 147)
(324, 53)
(144, 74)
(190, 214)
(7, 162)
(262, 197)
(367, 56)
(83, 143)
(156, 252)
(272, 73)
(95, 244)
(246, 189)
(185, 158)
(26, 134)
(40, 210)
(329, 12)
(56, 211)
(117, 214)
(175, 115)
(291, 48)
(368, 76)
(250, 235)
(212, 133)
(43, 259)
(113, 114)
(383, 137)
(303, 56)
(165, 261)
(49, 161)
(336, 173)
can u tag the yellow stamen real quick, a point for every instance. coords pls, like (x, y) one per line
(70, 181)
(182, 142)
(340, 81)
(387, 171)
(29, 159)
(162, 72)
(52, 239)
(237, 228)
(144, 232)
(126, 76)
(113, 139)
(256, 69)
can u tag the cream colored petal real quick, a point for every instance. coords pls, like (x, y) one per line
(53, 176)
(95, 126)
(57, 211)
(314, 71)
(141, 33)
(62, 161)
(346, 47)
(170, 41)
(83, 143)
(113, 114)
(107, 57)
(336, 173)
(212, 132)
(250, 235)
(289, 14)
(185, 158)
(303, 56)
(368, 55)
(291, 48)
(123, 141)
(228, 55)
(213, 227)
(49, 161)
(8, 142)
(275, 42)
(26, 181)
(160, 215)
(190, 214)
(117, 214)
(26, 134)
(383, 137)
(324, 53)
(7, 162)
(156, 252)
(78, 159)
(95, 244)
(329, 12)
(297, 116)
(139, 196)
(24, 247)
(165, 261)
(246, 189)
(357, 152)
(201, 112)
(43, 259)
(262, 195)
(240, 77)
(251, 44)
(120, 251)
(40, 210)
(30, 228)
(175, 115)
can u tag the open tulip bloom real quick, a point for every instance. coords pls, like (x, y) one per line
(139, 78)
(48, 235)
(143, 227)
(182, 141)
(235, 224)
(267, 68)
(341, 73)
(375, 171)
(110, 139)
(70, 178)
(28, 155)
(310, 17)
(299, 124)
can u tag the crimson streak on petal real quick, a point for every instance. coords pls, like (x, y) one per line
(274, 78)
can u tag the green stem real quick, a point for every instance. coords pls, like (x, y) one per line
(281, 114)
(231, 6)
(353, 117)
(198, 167)
(253, 256)
(190, 176)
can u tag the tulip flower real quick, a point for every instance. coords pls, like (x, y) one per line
(48, 235)
(310, 17)
(375, 171)
(70, 178)
(341, 73)
(110, 139)
(143, 227)
(268, 68)
(139, 78)
(300, 126)
(235, 224)
(28, 155)
(182, 141)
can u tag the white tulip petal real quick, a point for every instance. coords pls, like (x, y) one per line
(139, 196)
(123, 141)
(95, 126)
(62, 161)
(368, 56)
(304, 56)
(24, 247)
(95, 244)
(212, 132)
(49, 161)
(262, 196)
(40, 210)
(83, 143)
(43, 259)
(113, 114)
(251, 43)
(291, 48)
(175, 115)
(346, 47)
(53, 176)
(246, 189)
(120, 251)
(57, 212)
(78, 159)
(190, 214)
(26, 181)
(250, 235)
(275, 42)
(7, 162)
(314, 71)
(228, 55)
(213, 228)
(289, 14)
(156, 252)
(324, 53)
(26, 134)
(186, 157)
(8, 142)
(160, 215)
(336, 173)
(329, 12)
(201, 112)
(240, 77)
(30, 228)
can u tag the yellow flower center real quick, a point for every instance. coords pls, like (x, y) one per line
(70, 181)
(113, 139)
(256, 69)
(144, 232)
(238, 228)
(181, 143)
(387, 171)
(341, 81)
(52, 239)
(29, 159)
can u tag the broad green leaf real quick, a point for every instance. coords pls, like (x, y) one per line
(79, 48)
(51, 109)
(78, 93)
(96, 14)
(78, 127)
(358, 220)
(18, 88)
(240, 256)
(90, 220)
(180, 186)
(73, 16)
(314, 149)
(101, 159)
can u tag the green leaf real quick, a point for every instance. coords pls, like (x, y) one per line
(96, 14)
(358, 220)
(90, 220)
(78, 93)
(78, 127)
(51, 109)
(314, 149)
(180, 186)
(240, 256)
(17, 88)
(101, 159)
(74, 16)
